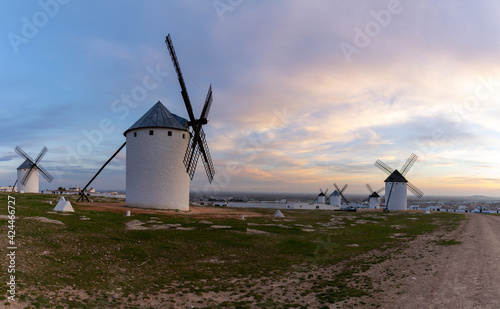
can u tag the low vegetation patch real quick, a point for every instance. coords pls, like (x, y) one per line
(448, 242)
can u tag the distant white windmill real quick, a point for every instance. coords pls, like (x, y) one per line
(374, 197)
(396, 185)
(321, 198)
(335, 198)
(28, 171)
(341, 191)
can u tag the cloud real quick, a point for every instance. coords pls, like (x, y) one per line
(8, 157)
(289, 109)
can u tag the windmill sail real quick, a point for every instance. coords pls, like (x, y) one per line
(33, 164)
(197, 145)
(415, 190)
(409, 163)
(384, 167)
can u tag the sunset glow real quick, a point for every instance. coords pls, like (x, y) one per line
(292, 111)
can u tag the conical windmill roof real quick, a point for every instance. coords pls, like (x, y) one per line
(159, 117)
(374, 194)
(335, 193)
(396, 176)
(26, 164)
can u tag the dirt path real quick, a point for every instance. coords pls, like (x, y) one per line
(428, 275)
(194, 211)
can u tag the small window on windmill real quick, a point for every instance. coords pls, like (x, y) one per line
(135, 134)
(184, 136)
(151, 132)
(169, 133)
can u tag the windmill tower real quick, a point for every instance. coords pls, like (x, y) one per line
(335, 198)
(155, 174)
(341, 192)
(29, 170)
(396, 185)
(321, 198)
(374, 197)
(162, 153)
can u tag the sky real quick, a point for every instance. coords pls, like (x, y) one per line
(306, 93)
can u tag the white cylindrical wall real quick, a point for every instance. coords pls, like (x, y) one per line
(374, 202)
(335, 200)
(321, 199)
(31, 185)
(397, 198)
(155, 173)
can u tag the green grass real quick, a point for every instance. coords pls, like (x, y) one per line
(448, 242)
(101, 256)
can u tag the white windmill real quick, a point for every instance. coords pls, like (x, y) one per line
(162, 153)
(341, 193)
(29, 170)
(396, 185)
(374, 197)
(335, 198)
(321, 198)
(155, 175)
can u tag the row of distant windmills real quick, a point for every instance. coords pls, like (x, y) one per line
(396, 186)
(334, 199)
(162, 153)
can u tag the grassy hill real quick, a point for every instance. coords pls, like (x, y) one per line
(102, 259)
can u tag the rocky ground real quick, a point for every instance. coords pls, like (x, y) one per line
(436, 272)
